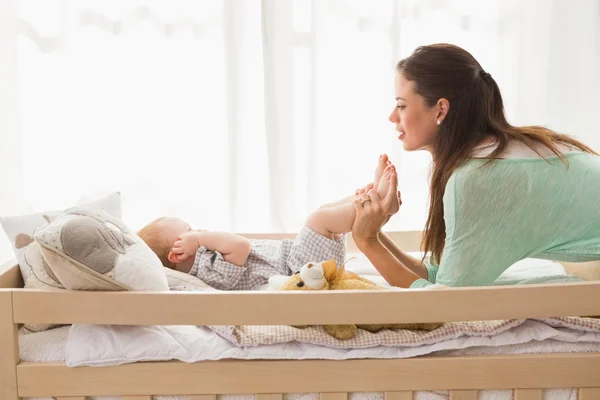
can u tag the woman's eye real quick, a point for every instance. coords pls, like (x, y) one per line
(401, 107)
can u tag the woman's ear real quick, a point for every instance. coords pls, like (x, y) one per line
(443, 106)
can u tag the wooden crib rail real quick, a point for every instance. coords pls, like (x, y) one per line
(519, 394)
(9, 348)
(298, 308)
(10, 275)
(470, 373)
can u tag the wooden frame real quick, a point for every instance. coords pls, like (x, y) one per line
(268, 380)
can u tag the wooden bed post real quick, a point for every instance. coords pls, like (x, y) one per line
(9, 348)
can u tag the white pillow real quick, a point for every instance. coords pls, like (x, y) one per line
(89, 249)
(20, 230)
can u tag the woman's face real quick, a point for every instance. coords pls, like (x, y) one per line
(414, 119)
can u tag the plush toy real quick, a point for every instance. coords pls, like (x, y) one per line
(326, 276)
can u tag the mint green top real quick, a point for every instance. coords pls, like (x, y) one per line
(517, 208)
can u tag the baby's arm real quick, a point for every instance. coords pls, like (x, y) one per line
(234, 248)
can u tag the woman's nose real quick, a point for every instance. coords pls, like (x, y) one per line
(394, 116)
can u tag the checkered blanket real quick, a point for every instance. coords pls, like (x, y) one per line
(248, 336)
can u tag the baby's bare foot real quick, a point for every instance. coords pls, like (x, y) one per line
(381, 165)
(388, 190)
(384, 182)
(392, 194)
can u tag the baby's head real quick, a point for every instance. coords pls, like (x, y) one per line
(160, 235)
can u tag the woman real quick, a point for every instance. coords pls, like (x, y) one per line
(499, 193)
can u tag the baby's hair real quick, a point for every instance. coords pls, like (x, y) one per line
(152, 234)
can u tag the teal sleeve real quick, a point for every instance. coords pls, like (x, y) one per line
(432, 270)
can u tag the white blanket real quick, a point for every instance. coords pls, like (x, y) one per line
(111, 345)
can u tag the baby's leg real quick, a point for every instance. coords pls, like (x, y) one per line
(379, 171)
(331, 222)
(346, 200)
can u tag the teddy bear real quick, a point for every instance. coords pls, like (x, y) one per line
(326, 276)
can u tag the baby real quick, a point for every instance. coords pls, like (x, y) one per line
(228, 261)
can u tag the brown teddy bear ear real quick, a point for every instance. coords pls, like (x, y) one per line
(22, 240)
(330, 270)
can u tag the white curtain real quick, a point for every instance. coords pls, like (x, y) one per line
(244, 115)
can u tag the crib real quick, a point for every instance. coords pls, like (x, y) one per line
(399, 379)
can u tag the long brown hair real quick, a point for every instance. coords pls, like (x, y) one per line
(476, 112)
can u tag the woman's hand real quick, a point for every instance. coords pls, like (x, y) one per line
(369, 219)
(372, 214)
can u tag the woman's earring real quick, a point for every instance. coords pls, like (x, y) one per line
(439, 122)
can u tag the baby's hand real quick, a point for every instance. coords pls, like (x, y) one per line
(185, 246)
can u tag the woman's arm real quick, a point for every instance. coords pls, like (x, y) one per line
(391, 269)
(410, 262)
(366, 232)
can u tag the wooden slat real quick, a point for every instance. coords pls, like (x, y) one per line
(272, 308)
(313, 376)
(589, 394)
(268, 396)
(529, 394)
(334, 396)
(463, 395)
(203, 397)
(405, 395)
(10, 275)
(9, 348)
(73, 398)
